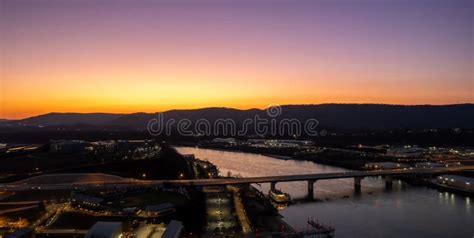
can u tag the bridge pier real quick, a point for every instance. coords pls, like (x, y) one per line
(357, 184)
(388, 182)
(311, 188)
(272, 185)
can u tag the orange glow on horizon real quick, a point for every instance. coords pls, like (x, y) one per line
(121, 89)
(151, 56)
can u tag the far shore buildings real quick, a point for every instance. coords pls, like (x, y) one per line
(231, 141)
(68, 146)
(406, 151)
(104, 146)
(135, 148)
(385, 166)
(264, 143)
(270, 143)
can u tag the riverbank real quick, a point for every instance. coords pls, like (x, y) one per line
(263, 216)
(449, 189)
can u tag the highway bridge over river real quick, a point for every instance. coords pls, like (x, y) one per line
(103, 181)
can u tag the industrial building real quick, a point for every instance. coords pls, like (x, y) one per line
(173, 230)
(85, 201)
(105, 230)
(159, 210)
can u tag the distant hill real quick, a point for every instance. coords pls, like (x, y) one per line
(340, 116)
(140, 120)
(55, 119)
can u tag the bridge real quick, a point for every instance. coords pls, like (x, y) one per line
(103, 181)
(313, 178)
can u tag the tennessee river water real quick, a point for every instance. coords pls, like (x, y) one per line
(404, 211)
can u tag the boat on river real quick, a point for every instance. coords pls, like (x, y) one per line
(279, 196)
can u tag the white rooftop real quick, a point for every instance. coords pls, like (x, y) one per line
(105, 230)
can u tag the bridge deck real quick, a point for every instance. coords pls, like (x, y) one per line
(29, 184)
(305, 177)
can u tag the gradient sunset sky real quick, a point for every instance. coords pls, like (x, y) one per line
(130, 56)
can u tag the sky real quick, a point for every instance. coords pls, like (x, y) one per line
(128, 56)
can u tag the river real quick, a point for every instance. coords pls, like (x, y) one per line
(404, 211)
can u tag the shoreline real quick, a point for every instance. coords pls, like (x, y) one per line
(282, 157)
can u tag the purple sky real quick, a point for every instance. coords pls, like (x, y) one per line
(81, 55)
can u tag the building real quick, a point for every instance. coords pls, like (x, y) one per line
(406, 152)
(85, 201)
(428, 165)
(130, 210)
(173, 230)
(104, 146)
(130, 145)
(159, 210)
(68, 146)
(22, 233)
(105, 230)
